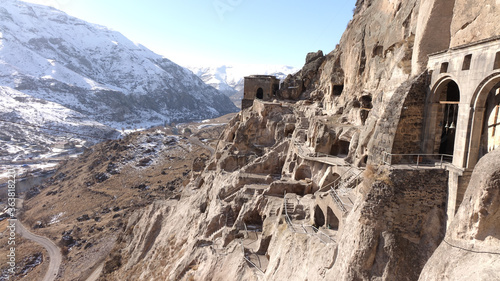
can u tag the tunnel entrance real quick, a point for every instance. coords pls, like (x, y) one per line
(340, 149)
(260, 93)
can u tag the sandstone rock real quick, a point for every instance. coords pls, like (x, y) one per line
(313, 56)
(471, 248)
(363, 99)
(391, 234)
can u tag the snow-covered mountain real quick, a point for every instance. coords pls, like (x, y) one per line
(97, 72)
(30, 127)
(229, 79)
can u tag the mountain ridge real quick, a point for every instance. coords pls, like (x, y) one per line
(97, 71)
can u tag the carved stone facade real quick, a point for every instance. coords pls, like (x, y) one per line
(462, 112)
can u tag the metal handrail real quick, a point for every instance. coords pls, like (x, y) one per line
(322, 233)
(387, 157)
(337, 200)
(348, 181)
(246, 230)
(291, 224)
(249, 261)
(333, 183)
(287, 217)
(317, 154)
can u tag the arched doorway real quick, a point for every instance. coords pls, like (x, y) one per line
(260, 93)
(484, 135)
(319, 217)
(490, 135)
(447, 98)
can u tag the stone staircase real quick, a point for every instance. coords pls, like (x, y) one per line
(250, 245)
(289, 208)
(343, 198)
(230, 219)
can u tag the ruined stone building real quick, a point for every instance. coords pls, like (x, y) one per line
(262, 87)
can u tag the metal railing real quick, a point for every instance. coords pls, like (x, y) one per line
(338, 201)
(312, 155)
(294, 226)
(287, 217)
(319, 233)
(246, 230)
(248, 260)
(344, 181)
(420, 159)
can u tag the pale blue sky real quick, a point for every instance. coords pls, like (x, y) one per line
(201, 32)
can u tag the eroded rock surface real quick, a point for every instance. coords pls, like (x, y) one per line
(471, 249)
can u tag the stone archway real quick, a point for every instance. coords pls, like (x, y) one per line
(443, 117)
(319, 217)
(484, 134)
(260, 93)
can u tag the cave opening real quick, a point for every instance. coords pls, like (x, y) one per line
(319, 217)
(303, 172)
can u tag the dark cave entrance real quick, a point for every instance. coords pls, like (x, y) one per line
(319, 217)
(260, 93)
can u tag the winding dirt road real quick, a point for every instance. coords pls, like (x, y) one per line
(55, 256)
(96, 273)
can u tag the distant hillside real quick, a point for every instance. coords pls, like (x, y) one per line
(96, 71)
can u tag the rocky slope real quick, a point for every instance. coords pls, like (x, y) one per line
(262, 210)
(262, 207)
(98, 72)
(88, 201)
(471, 248)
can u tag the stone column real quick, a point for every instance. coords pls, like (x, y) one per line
(461, 135)
(430, 128)
(475, 137)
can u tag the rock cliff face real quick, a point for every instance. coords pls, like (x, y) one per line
(262, 208)
(471, 249)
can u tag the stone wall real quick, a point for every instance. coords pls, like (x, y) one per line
(391, 132)
(408, 137)
(392, 232)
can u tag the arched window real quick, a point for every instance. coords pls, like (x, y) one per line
(449, 100)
